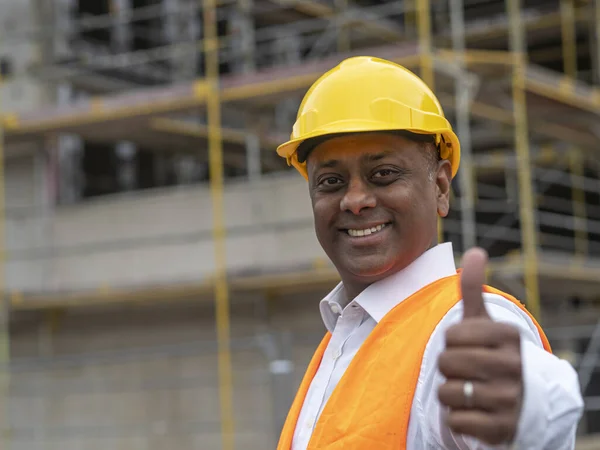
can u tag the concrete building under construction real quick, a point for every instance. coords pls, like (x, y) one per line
(160, 271)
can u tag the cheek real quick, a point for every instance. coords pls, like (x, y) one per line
(403, 201)
(323, 211)
(413, 205)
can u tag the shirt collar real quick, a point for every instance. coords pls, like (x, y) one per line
(380, 298)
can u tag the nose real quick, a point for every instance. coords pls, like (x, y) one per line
(357, 197)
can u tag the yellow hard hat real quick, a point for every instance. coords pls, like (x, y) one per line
(365, 94)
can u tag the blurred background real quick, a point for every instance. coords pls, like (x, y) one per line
(160, 272)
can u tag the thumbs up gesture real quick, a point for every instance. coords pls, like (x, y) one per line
(482, 365)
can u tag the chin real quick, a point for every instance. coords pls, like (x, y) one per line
(371, 272)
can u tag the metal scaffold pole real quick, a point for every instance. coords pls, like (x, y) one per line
(597, 33)
(576, 163)
(343, 33)
(526, 200)
(569, 50)
(409, 17)
(568, 37)
(425, 45)
(4, 322)
(215, 144)
(467, 196)
(426, 59)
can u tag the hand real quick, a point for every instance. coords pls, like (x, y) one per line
(487, 354)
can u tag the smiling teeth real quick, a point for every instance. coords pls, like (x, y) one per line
(366, 232)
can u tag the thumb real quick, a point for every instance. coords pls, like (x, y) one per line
(472, 279)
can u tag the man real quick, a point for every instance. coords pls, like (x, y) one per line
(417, 356)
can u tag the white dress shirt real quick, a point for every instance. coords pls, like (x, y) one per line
(552, 404)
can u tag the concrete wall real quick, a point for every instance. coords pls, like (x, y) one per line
(147, 378)
(27, 223)
(157, 237)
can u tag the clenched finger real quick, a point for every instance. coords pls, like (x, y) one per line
(486, 396)
(482, 332)
(493, 429)
(480, 363)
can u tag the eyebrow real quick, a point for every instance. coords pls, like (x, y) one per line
(328, 164)
(371, 157)
(378, 156)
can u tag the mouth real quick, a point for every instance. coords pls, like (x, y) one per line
(364, 232)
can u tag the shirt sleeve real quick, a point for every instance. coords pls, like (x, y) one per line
(552, 403)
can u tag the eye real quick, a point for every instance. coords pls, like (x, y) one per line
(329, 181)
(384, 173)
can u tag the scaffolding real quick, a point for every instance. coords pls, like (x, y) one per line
(527, 190)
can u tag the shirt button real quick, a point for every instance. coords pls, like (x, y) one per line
(335, 308)
(337, 354)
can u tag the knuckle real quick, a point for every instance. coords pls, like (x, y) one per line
(455, 423)
(510, 333)
(444, 393)
(496, 436)
(513, 364)
(508, 397)
(445, 362)
(453, 334)
(503, 431)
(513, 332)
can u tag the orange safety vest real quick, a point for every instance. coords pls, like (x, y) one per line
(370, 406)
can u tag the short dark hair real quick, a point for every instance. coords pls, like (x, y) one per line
(431, 152)
(427, 142)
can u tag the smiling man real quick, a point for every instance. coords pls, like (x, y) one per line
(417, 355)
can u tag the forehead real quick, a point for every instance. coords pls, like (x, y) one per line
(362, 146)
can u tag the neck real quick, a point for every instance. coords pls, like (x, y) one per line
(353, 287)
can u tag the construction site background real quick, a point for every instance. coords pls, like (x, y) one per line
(160, 272)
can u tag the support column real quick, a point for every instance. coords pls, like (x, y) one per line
(215, 150)
(253, 157)
(596, 56)
(466, 172)
(569, 50)
(182, 31)
(241, 24)
(409, 17)
(343, 31)
(285, 114)
(121, 35)
(286, 49)
(426, 63)
(282, 380)
(278, 350)
(5, 438)
(425, 46)
(65, 151)
(576, 164)
(126, 172)
(568, 37)
(526, 203)
(50, 44)
(61, 13)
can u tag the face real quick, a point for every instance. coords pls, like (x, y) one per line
(376, 199)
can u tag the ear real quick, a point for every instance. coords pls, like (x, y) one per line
(443, 181)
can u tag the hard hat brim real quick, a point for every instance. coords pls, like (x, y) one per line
(450, 147)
